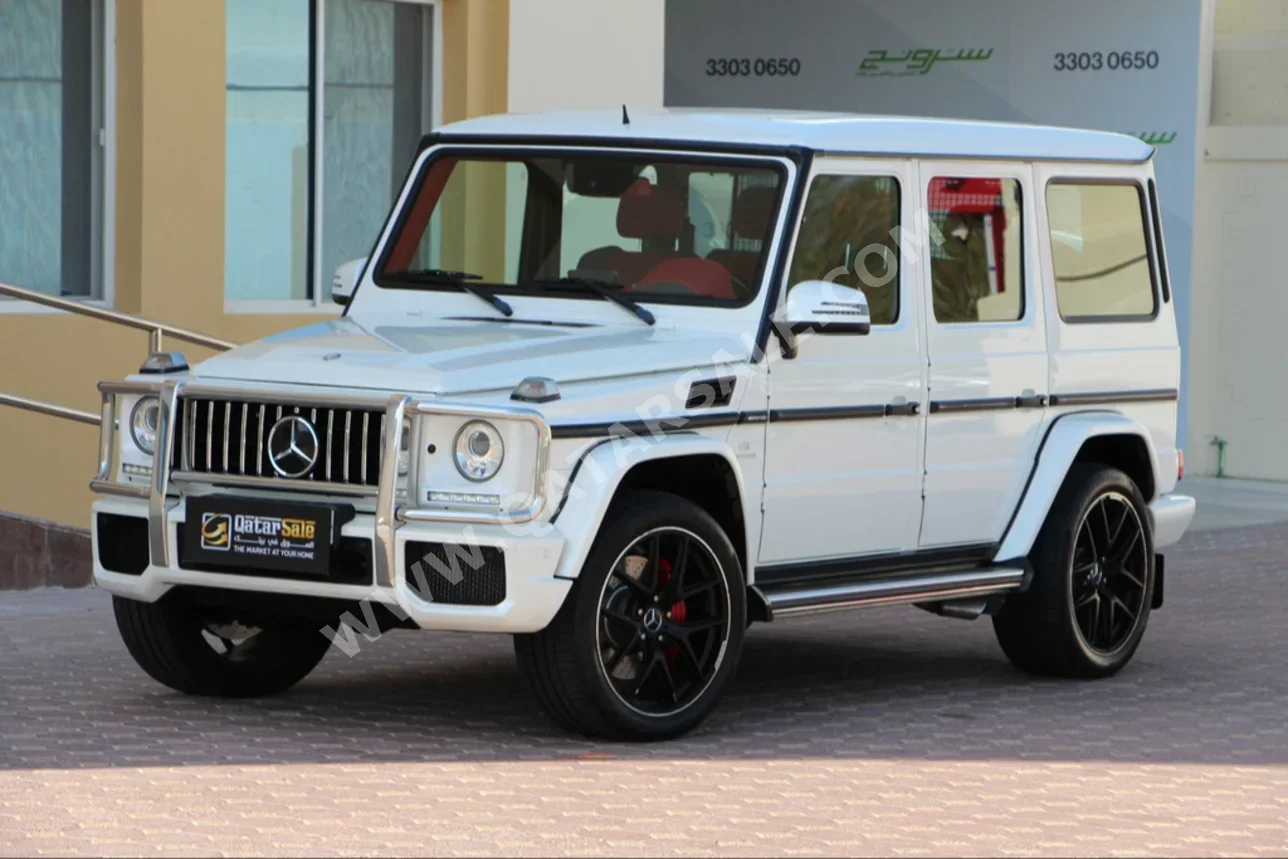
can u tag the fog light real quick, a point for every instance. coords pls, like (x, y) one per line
(137, 470)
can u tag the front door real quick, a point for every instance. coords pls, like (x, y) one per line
(987, 345)
(843, 454)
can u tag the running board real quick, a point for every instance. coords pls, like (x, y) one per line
(790, 599)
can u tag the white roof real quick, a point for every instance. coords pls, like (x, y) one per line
(828, 132)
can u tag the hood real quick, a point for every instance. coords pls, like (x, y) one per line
(445, 356)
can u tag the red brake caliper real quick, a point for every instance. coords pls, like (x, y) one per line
(678, 611)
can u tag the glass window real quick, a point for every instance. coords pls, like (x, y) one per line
(977, 254)
(467, 229)
(267, 173)
(590, 222)
(711, 197)
(848, 236)
(1099, 251)
(517, 224)
(312, 170)
(51, 161)
(376, 105)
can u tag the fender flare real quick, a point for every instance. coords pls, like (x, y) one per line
(1056, 454)
(599, 473)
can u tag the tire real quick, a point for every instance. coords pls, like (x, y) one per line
(171, 641)
(1087, 606)
(650, 633)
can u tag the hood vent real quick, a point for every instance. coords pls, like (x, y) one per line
(710, 393)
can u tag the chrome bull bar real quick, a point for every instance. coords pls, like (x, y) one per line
(389, 514)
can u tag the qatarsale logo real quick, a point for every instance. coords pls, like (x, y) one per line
(882, 62)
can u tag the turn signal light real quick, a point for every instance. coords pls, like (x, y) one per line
(144, 471)
(536, 389)
(1180, 465)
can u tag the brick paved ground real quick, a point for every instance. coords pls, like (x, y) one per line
(881, 732)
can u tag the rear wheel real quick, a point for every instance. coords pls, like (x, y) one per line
(1093, 581)
(652, 629)
(186, 648)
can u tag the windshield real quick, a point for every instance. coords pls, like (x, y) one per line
(648, 228)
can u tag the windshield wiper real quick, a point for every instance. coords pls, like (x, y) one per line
(602, 288)
(454, 278)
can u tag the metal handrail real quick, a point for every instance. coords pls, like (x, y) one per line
(155, 329)
(41, 407)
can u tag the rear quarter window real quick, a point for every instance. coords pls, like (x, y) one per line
(1099, 251)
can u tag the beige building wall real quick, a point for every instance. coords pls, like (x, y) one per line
(1239, 353)
(169, 219)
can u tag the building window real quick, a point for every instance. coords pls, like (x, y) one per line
(267, 173)
(1099, 252)
(51, 164)
(848, 236)
(327, 102)
(977, 259)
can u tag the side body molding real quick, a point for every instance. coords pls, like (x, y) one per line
(1064, 439)
(600, 473)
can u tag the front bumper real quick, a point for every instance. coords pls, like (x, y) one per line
(532, 593)
(1172, 514)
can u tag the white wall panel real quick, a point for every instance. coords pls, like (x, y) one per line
(585, 54)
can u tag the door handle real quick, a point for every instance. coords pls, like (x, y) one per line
(1030, 400)
(903, 409)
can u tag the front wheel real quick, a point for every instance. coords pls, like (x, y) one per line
(652, 629)
(183, 647)
(1093, 580)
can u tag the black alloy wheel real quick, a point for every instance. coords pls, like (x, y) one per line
(664, 621)
(650, 633)
(1110, 569)
(1085, 610)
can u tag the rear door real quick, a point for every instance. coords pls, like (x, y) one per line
(986, 339)
(1111, 326)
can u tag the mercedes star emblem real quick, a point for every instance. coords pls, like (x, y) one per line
(653, 619)
(293, 446)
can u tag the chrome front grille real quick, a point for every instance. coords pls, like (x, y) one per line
(231, 437)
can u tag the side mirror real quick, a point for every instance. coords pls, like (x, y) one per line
(345, 280)
(822, 307)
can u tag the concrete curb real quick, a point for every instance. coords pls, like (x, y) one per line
(39, 554)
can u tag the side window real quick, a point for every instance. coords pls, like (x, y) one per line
(1099, 251)
(977, 253)
(847, 235)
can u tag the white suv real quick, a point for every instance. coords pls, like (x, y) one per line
(619, 385)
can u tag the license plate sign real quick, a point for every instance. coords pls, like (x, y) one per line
(246, 533)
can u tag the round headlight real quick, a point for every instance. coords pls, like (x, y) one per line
(479, 451)
(143, 424)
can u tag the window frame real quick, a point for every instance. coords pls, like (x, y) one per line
(317, 281)
(1146, 233)
(1023, 316)
(503, 152)
(1156, 220)
(103, 174)
(899, 279)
